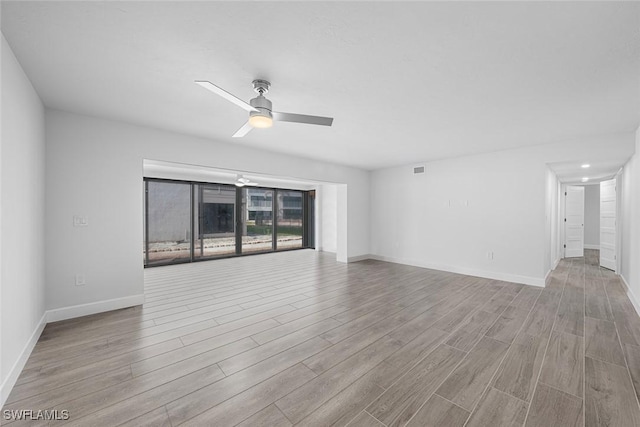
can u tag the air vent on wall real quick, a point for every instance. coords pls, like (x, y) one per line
(418, 169)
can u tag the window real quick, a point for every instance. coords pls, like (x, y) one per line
(257, 226)
(289, 224)
(214, 220)
(190, 221)
(168, 223)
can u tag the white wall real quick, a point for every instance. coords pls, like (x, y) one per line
(95, 169)
(630, 219)
(592, 216)
(461, 209)
(328, 218)
(22, 165)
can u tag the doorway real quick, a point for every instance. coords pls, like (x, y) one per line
(590, 221)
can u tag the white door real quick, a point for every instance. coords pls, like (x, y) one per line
(608, 224)
(574, 222)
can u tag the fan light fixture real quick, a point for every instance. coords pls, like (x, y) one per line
(586, 165)
(585, 179)
(260, 121)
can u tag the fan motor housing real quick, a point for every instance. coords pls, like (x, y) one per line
(262, 104)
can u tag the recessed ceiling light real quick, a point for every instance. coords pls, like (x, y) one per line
(585, 179)
(586, 165)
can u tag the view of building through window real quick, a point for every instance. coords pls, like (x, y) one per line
(187, 221)
(214, 220)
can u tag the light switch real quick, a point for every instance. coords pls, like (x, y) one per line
(80, 280)
(80, 221)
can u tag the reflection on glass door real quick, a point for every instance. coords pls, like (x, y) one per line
(168, 222)
(289, 221)
(257, 220)
(214, 220)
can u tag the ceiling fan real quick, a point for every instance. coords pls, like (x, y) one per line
(260, 113)
(241, 181)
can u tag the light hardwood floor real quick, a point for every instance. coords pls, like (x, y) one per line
(297, 338)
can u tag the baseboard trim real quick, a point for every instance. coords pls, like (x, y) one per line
(326, 252)
(71, 312)
(506, 277)
(18, 366)
(359, 258)
(546, 276)
(592, 247)
(555, 265)
(631, 296)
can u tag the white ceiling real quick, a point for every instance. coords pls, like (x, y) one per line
(600, 170)
(405, 82)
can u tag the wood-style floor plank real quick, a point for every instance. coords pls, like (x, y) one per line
(439, 412)
(508, 324)
(632, 356)
(300, 403)
(270, 416)
(256, 398)
(570, 317)
(602, 341)
(155, 418)
(598, 307)
(551, 407)
(498, 409)
(408, 356)
(472, 330)
(365, 420)
(344, 406)
(205, 398)
(519, 372)
(609, 395)
(402, 400)
(465, 385)
(564, 363)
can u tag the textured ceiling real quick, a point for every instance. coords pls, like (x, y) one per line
(405, 82)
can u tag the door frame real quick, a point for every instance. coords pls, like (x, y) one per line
(619, 218)
(561, 227)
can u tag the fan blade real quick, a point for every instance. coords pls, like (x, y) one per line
(243, 130)
(226, 95)
(301, 118)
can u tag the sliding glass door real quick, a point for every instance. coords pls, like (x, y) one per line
(289, 222)
(257, 220)
(168, 222)
(192, 221)
(214, 220)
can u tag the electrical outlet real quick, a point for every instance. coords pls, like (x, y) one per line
(80, 280)
(490, 255)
